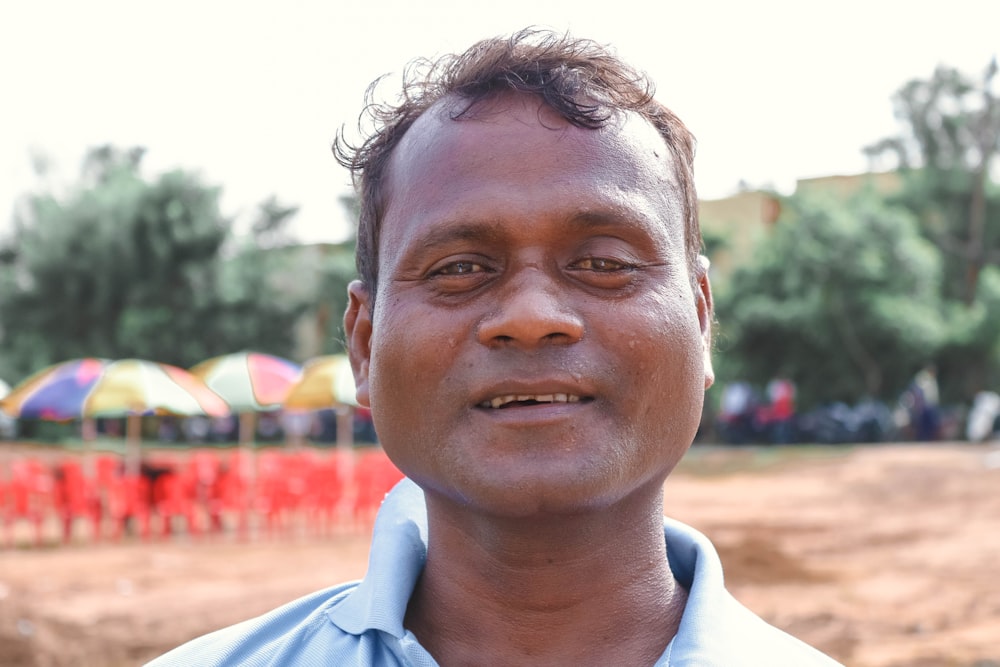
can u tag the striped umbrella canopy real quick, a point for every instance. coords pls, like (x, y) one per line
(92, 387)
(326, 381)
(6, 422)
(249, 381)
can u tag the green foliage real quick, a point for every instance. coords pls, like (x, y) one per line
(943, 203)
(125, 266)
(969, 359)
(939, 118)
(950, 136)
(949, 139)
(712, 242)
(842, 298)
(336, 272)
(850, 298)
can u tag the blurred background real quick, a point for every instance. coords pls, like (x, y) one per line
(167, 193)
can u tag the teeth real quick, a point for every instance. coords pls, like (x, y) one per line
(501, 401)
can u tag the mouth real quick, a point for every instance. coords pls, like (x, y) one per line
(523, 400)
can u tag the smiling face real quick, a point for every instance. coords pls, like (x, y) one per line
(537, 345)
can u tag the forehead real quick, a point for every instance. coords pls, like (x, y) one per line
(515, 155)
(522, 122)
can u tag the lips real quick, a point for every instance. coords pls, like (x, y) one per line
(511, 400)
(521, 388)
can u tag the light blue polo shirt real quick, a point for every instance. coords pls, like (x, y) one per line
(361, 623)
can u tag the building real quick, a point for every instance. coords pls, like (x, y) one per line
(732, 226)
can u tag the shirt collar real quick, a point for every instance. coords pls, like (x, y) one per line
(398, 553)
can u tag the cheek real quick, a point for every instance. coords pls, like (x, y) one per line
(410, 352)
(667, 361)
(390, 356)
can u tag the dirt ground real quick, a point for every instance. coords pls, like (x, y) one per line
(881, 556)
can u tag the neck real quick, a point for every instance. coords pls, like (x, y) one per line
(584, 589)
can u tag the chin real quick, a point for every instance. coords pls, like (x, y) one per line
(544, 494)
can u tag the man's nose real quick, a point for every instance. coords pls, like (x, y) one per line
(531, 311)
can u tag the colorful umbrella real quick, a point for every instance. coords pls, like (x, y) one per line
(249, 381)
(90, 387)
(6, 422)
(326, 381)
(101, 388)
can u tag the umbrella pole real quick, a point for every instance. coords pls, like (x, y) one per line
(247, 428)
(94, 497)
(296, 424)
(345, 450)
(345, 427)
(133, 444)
(88, 433)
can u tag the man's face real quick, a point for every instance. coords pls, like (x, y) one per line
(536, 344)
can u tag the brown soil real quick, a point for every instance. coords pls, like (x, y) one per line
(881, 556)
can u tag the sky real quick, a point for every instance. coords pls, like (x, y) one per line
(250, 94)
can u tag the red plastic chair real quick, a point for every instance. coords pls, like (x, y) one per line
(229, 497)
(6, 510)
(280, 485)
(107, 470)
(32, 494)
(128, 506)
(324, 495)
(204, 468)
(374, 477)
(75, 498)
(175, 497)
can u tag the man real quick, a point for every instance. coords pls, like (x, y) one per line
(531, 330)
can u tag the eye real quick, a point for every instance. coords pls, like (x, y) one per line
(459, 275)
(601, 265)
(460, 268)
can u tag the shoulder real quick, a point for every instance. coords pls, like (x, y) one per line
(716, 630)
(736, 636)
(357, 623)
(300, 627)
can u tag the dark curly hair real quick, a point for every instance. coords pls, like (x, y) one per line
(580, 79)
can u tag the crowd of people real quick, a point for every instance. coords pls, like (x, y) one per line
(751, 415)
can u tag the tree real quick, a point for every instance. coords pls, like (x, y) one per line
(969, 359)
(949, 138)
(337, 270)
(946, 152)
(841, 297)
(125, 266)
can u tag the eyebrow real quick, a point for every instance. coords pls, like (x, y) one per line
(488, 231)
(493, 231)
(602, 218)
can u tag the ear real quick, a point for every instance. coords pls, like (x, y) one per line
(706, 316)
(358, 331)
